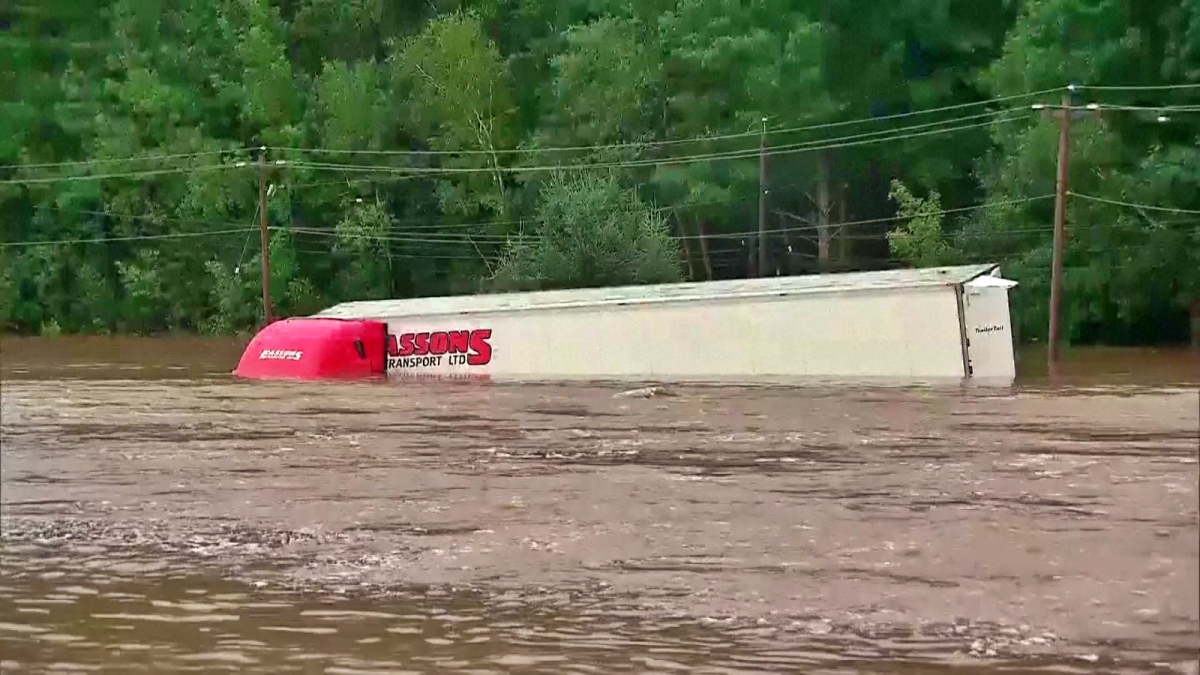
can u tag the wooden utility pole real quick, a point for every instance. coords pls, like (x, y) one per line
(687, 247)
(762, 200)
(824, 176)
(708, 270)
(843, 202)
(263, 235)
(1060, 226)
(1066, 112)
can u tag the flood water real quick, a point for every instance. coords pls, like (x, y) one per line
(159, 517)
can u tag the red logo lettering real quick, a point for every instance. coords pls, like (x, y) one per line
(459, 341)
(439, 342)
(476, 344)
(481, 347)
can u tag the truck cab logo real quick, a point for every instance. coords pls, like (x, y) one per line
(427, 349)
(280, 355)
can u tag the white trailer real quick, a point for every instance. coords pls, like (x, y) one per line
(934, 324)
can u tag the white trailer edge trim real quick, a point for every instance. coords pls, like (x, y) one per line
(709, 291)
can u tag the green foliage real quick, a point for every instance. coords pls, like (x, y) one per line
(918, 240)
(1130, 272)
(456, 96)
(444, 147)
(603, 83)
(590, 231)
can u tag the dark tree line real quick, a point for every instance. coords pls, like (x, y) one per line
(422, 148)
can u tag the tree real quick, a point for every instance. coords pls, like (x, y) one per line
(919, 240)
(590, 231)
(1126, 278)
(419, 148)
(456, 95)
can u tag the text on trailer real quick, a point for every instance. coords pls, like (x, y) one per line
(435, 348)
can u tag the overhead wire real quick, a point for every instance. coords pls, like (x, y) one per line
(1147, 207)
(715, 255)
(749, 153)
(1139, 87)
(405, 224)
(679, 141)
(445, 237)
(786, 149)
(136, 237)
(1150, 108)
(439, 238)
(115, 175)
(405, 173)
(525, 151)
(411, 172)
(459, 238)
(574, 148)
(876, 221)
(138, 216)
(122, 160)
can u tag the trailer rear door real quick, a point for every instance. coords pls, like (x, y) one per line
(989, 328)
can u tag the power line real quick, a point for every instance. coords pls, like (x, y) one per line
(199, 221)
(1148, 108)
(120, 160)
(107, 176)
(348, 181)
(875, 221)
(420, 224)
(137, 216)
(451, 238)
(423, 224)
(648, 144)
(576, 148)
(402, 239)
(412, 256)
(713, 254)
(1021, 265)
(671, 142)
(454, 238)
(402, 173)
(1137, 87)
(139, 237)
(980, 236)
(1147, 207)
(434, 238)
(789, 149)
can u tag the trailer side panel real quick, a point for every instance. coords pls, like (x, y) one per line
(888, 333)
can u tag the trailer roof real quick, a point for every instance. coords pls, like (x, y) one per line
(693, 291)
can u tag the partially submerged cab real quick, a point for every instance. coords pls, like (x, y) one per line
(314, 348)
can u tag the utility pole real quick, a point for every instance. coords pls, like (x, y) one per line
(762, 200)
(1065, 113)
(1060, 224)
(264, 237)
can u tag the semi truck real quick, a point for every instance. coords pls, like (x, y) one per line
(932, 324)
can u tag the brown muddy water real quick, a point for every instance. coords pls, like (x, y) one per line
(159, 517)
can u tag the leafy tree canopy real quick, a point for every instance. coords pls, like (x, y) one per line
(435, 147)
